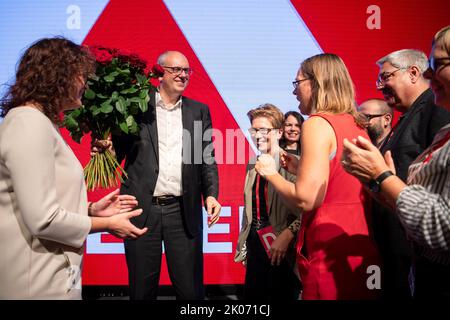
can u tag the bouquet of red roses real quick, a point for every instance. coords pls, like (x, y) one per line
(116, 94)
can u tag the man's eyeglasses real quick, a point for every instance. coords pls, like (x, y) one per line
(435, 64)
(178, 70)
(371, 116)
(262, 131)
(385, 76)
(297, 82)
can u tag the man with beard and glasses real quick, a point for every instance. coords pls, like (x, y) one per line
(379, 119)
(404, 88)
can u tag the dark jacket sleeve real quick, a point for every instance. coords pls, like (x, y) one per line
(121, 145)
(209, 174)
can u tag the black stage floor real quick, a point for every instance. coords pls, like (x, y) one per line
(212, 292)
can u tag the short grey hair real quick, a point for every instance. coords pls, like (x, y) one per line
(162, 57)
(406, 58)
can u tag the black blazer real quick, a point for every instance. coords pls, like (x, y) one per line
(413, 134)
(199, 177)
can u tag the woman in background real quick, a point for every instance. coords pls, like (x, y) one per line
(45, 216)
(290, 141)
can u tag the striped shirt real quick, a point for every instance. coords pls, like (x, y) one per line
(424, 205)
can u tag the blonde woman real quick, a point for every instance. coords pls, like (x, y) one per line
(333, 246)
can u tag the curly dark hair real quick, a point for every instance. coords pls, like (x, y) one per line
(46, 75)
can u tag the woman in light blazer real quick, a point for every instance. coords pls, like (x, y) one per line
(44, 215)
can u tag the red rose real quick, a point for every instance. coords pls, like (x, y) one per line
(104, 57)
(147, 70)
(132, 58)
(113, 52)
(157, 70)
(96, 50)
(123, 53)
(136, 61)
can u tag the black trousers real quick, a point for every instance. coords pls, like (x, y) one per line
(395, 251)
(432, 280)
(395, 277)
(264, 281)
(184, 256)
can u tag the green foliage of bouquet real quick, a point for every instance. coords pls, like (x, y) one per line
(116, 94)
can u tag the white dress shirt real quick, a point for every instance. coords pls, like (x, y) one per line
(170, 145)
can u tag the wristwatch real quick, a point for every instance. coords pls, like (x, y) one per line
(375, 184)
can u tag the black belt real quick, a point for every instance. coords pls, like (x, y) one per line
(165, 200)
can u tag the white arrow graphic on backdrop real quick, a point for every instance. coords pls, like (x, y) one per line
(250, 49)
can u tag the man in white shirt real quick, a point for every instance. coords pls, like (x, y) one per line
(169, 180)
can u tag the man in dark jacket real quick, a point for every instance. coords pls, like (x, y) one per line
(170, 167)
(405, 89)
